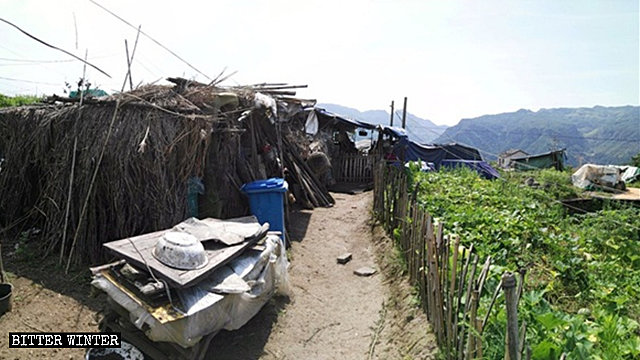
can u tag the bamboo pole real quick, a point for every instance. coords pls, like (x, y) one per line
(521, 342)
(479, 339)
(423, 258)
(445, 288)
(467, 306)
(471, 343)
(452, 289)
(93, 179)
(511, 343)
(521, 275)
(126, 47)
(436, 242)
(430, 280)
(440, 272)
(460, 282)
(493, 300)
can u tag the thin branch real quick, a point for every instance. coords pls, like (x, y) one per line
(128, 75)
(130, 60)
(150, 38)
(75, 26)
(54, 47)
(93, 179)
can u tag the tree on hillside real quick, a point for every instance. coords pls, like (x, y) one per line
(635, 161)
(19, 100)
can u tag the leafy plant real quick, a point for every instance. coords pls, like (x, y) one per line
(583, 282)
(19, 100)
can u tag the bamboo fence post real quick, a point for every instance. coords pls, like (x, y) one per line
(471, 343)
(413, 244)
(394, 199)
(423, 258)
(521, 274)
(511, 344)
(493, 300)
(428, 270)
(445, 287)
(437, 243)
(521, 342)
(479, 339)
(483, 275)
(460, 282)
(441, 286)
(467, 305)
(442, 274)
(409, 247)
(452, 289)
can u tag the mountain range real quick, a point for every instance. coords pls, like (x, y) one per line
(601, 135)
(420, 130)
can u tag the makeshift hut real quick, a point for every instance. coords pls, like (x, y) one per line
(504, 159)
(332, 141)
(90, 170)
(552, 159)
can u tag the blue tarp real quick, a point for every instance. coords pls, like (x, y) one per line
(393, 131)
(434, 153)
(447, 155)
(481, 167)
(440, 155)
(335, 119)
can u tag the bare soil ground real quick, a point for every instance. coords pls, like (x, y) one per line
(46, 300)
(331, 313)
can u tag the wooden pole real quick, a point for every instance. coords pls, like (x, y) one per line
(73, 162)
(452, 289)
(130, 61)
(391, 121)
(471, 343)
(93, 179)
(404, 114)
(511, 299)
(126, 47)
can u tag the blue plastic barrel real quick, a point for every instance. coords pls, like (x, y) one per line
(266, 199)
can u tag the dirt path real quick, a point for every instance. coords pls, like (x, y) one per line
(334, 314)
(331, 311)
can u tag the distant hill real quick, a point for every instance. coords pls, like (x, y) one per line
(602, 135)
(420, 130)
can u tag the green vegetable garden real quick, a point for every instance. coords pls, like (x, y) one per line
(582, 285)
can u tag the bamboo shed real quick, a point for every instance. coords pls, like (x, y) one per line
(93, 170)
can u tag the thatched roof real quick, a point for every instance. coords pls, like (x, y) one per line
(118, 166)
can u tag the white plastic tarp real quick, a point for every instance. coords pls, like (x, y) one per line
(266, 101)
(265, 274)
(607, 176)
(311, 126)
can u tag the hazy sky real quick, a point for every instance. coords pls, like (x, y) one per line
(452, 59)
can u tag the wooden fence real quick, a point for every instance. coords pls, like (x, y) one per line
(352, 168)
(450, 279)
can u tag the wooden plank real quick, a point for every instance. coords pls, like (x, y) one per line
(452, 289)
(218, 255)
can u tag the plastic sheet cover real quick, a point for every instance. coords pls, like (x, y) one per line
(206, 312)
(591, 176)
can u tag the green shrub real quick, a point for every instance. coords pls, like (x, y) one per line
(583, 282)
(19, 100)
